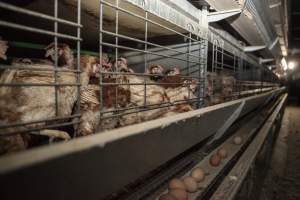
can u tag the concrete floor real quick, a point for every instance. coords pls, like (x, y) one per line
(283, 179)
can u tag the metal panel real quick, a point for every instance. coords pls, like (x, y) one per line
(165, 11)
(254, 24)
(243, 24)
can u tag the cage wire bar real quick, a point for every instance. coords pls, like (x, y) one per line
(57, 121)
(199, 60)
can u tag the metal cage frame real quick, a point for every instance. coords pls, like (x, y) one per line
(195, 64)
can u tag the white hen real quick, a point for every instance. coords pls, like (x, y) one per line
(145, 94)
(33, 103)
(114, 97)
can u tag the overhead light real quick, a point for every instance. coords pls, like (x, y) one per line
(291, 65)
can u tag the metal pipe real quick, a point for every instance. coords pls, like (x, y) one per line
(59, 125)
(37, 14)
(36, 30)
(145, 42)
(141, 74)
(78, 110)
(2, 126)
(143, 51)
(150, 106)
(55, 55)
(117, 84)
(145, 57)
(116, 49)
(140, 17)
(37, 84)
(101, 55)
(17, 67)
(147, 109)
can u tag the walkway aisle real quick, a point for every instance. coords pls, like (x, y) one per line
(283, 180)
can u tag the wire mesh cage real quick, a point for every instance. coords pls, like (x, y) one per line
(157, 71)
(230, 76)
(38, 95)
(141, 66)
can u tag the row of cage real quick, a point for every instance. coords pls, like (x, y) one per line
(138, 67)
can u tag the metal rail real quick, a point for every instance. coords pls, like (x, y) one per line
(94, 154)
(230, 186)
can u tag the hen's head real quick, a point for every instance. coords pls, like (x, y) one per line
(92, 65)
(121, 65)
(3, 49)
(105, 62)
(192, 84)
(156, 70)
(175, 71)
(88, 64)
(64, 54)
(105, 65)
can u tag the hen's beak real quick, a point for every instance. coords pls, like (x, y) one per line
(49, 53)
(96, 70)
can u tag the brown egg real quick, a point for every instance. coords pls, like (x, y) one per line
(215, 160)
(167, 197)
(176, 184)
(198, 174)
(237, 140)
(222, 152)
(190, 183)
(179, 194)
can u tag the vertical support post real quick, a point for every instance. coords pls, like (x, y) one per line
(56, 55)
(222, 58)
(203, 70)
(216, 55)
(203, 56)
(188, 51)
(78, 72)
(200, 80)
(188, 62)
(261, 79)
(234, 72)
(117, 49)
(145, 57)
(234, 62)
(100, 57)
(240, 69)
(213, 57)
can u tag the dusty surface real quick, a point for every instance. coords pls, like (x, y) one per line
(283, 180)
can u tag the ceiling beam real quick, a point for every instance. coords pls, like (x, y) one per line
(218, 16)
(274, 5)
(274, 43)
(267, 60)
(254, 48)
